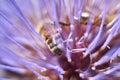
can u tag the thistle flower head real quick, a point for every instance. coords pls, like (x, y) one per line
(60, 39)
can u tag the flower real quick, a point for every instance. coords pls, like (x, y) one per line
(59, 39)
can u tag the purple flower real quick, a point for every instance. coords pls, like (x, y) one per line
(59, 40)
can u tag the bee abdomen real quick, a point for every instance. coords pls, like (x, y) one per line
(57, 51)
(53, 46)
(50, 43)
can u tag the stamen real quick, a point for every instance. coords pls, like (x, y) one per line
(58, 68)
(24, 19)
(115, 54)
(95, 41)
(78, 7)
(106, 57)
(116, 67)
(3, 78)
(112, 33)
(68, 55)
(15, 69)
(78, 50)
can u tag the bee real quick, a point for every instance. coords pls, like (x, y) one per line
(52, 37)
(95, 20)
(84, 17)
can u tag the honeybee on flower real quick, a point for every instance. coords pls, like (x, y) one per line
(59, 40)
